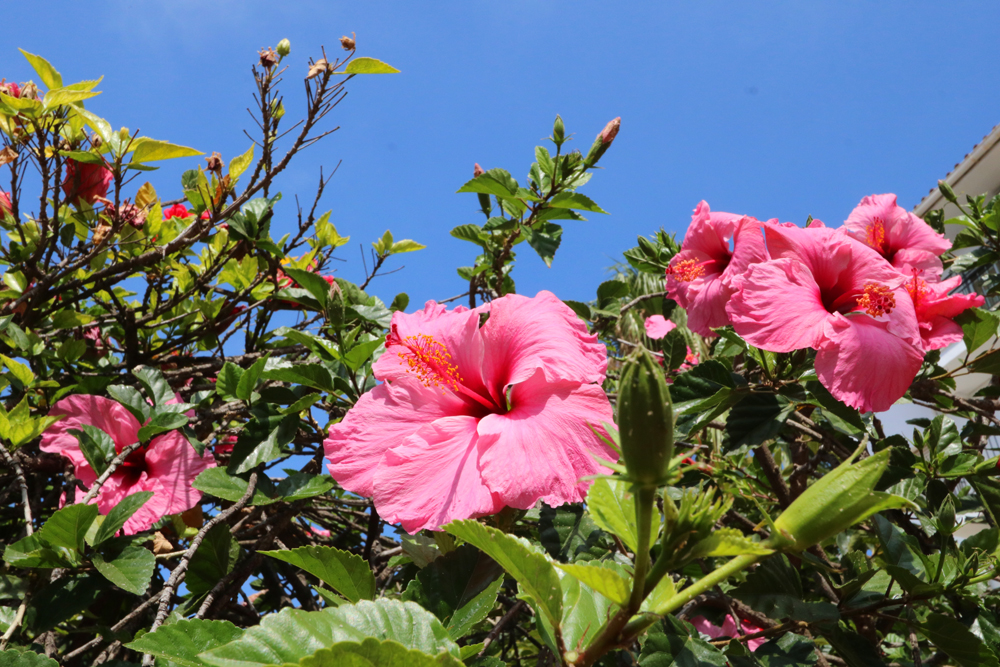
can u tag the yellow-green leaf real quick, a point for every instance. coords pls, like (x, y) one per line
(240, 163)
(46, 72)
(604, 580)
(151, 150)
(61, 96)
(406, 245)
(369, 66)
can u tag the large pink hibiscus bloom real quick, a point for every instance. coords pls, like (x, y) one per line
(905, 240)
(470, 419)
(706, 272)
(825, 291)
(935, 307)
(166, 466)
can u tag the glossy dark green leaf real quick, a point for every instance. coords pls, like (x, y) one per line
(130, 567)
(96, 445)
(544, 238)
(958, 642)
(180, 642)
(119, 514)
(344, 572)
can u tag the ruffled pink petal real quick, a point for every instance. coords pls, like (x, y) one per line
(913, 233)
(382, 419)
(706, 309)
(748, 249)
(544, 447)
(524, 334)
(658, 326)
(926, 263)
(939, 332)
(433, 477)
(172, 462)
(80, 409)
(153, 509)
(710, 232)
(864, 365)
(780, 307)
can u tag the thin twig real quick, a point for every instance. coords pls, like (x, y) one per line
(21, 482)
(504, 620)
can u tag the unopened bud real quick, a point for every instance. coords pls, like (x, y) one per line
(215, 163)
(947, 192)
(645, 420)
(96, 141)
(335, 305)
(477, 171)
(610, 130)
(284, 48)
(317, 68)
(268, 58)
(347, 42)
(558, 131)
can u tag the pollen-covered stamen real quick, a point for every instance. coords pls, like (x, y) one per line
(686, 270)
(877, 300)
(917, 288)
(426, 358)
(875, 234)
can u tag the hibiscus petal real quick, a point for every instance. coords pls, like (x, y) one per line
(940, 332)
(544, 447)
(172, 462)
(433, 477)
(780, 307)
(80, 409)
(864, 365)
(658, 326)
(706, 309)
(382, 419)
(523, 335)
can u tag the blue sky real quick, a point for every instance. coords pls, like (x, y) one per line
(780, 109)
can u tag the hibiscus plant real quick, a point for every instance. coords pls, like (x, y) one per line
(215, 452)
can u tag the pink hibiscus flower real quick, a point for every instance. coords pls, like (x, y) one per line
(935, 307)
(177, 211)
(703, 276)
(901, 237)
(825, 291)
(166, 466)
(658, 326)
(470, 419)
(729, 629)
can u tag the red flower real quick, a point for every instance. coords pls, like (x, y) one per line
(86, 181)
(177, 211)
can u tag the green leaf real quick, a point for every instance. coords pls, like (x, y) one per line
(83, 156)
(261, 442)
(151, 150)
(17, 658)
(228, 380)
(344, 572)
(612, 507)
(604, 580)
(853, 648)
(362, 352)
(545, 238)
(728, 542)
(57, 543)
(131, 400)
(248, 381)
(958, 642)
(471, 233)
(20, 371)
(567, 534)
(406, 245)
(46, 72)
(460, 588)
(584, 612)
(496, 182)
(129, 568)
(978, 326)
(65, 96)
(774, 589)
(180, 642)
(240, 163)
(369, 66)
(757, 418)
(96, 123)
(292, 634)
(213, 560)
(97, 446)
(372, 652)
(677, 646)
(576, 201)
(830, 404)
(161, 422)
(532, 569)
(310, 375)
(219, 483)
(313, 283)
(119, 514)
(155, 385)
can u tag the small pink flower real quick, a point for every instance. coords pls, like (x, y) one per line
(825, 291)
(935, 307)
(658, 326)
(729, 629)
(177, 211)
(905, 240)
(87, 182)
(470, 419)
(167, 465)
(703, 276)
(5, 205)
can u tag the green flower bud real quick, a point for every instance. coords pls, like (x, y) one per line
(558, 131)
(837, 501)
(645, 420)
(335, 306)
(284, 48)
(947, 192)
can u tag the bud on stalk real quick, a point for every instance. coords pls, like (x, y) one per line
(947, 192)
(284, 48)
(645, 421)
(335, 306)
(603, 141)
(558, 131)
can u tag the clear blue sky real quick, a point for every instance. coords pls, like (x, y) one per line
(780, 109)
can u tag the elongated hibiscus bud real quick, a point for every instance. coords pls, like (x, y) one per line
(645, 420)
(603, 141)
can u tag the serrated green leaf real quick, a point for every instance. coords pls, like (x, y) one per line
(219, 483)
(576, 201)
(604, 580)
(156, 386)
(46, 72)
(145, 149)
(371, 653)
(96, 445)
(612, 507)
(728, 542)
(240, 163)
(18, 658)
(130, 568)
(214, 559)
(958, 642)
(544, 238)
(364, 65)
(180, 642)
(161, 422)
(774, 589)
(344, 572)
(406, 245)
(118, 515)
(532, 569)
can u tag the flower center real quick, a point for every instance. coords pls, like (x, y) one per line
(917, 289)
(877, 300)
(875, 234)
(686, 270)
(428, 359)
